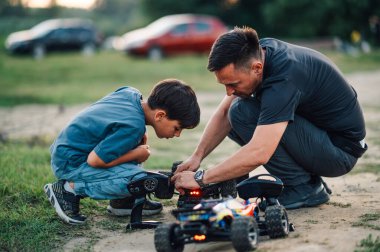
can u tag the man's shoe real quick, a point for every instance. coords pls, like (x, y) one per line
(123, 207)
(304, 195)
(66, 204)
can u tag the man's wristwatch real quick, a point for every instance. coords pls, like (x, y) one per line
(198, 176)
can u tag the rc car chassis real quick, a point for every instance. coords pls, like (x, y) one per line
(228, 219)
(158, 184)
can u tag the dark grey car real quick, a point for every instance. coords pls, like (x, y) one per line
(55, 35)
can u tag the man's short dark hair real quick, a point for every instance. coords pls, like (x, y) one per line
(238, 46)
(178, 100)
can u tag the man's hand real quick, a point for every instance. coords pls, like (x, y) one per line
(191, 164)
(184, 180)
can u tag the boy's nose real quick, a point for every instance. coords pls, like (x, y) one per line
(229, 91)
(178, 133)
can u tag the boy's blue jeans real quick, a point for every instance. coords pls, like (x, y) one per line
(100, 183)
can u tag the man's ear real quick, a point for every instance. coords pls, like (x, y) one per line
(159, 115)
(257, 67)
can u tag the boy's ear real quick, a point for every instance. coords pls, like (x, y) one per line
(159, 115)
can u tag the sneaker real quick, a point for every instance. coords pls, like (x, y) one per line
(304, 195)
(66, 204)
(123, 207)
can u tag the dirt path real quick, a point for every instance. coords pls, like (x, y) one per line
(339, 225)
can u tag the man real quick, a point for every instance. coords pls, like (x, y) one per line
(290, 109)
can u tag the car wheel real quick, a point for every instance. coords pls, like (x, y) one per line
(276, 221)
(39, 51)
(155, 53)
(88, 49)
(244, 233)
(166, 240)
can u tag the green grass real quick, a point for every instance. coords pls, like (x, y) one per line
(369, 244)
(368, 220)
(72, 78)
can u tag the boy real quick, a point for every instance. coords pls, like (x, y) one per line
(101, 150)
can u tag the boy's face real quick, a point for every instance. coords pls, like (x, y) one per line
(166, 128)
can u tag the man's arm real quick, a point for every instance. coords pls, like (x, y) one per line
(257, 152)
(139, 154)
(216, 130)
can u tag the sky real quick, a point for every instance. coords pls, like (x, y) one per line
(85, 4)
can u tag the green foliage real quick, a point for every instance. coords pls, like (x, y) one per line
(297, 18)
(292, 19)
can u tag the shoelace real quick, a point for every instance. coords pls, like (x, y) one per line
(327, 188)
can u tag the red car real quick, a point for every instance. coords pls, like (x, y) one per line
(173, 34)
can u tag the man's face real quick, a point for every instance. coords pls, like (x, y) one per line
(241, 82)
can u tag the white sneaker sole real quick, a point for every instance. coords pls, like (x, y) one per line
(126, 212)
(53, 201)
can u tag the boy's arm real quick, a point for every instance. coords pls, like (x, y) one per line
(139, 154)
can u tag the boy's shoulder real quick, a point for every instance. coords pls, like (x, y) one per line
(130, 93)
(127, 89)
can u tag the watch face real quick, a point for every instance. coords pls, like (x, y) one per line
(198, 175)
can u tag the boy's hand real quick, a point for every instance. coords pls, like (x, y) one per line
(144, 140)
(191, 164)
(143, 153)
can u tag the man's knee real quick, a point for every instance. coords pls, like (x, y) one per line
(243, 112)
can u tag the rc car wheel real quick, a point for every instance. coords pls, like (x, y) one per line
(276, 221)
(150, 184)
(228, 188)
(244, 233)
(165, 238)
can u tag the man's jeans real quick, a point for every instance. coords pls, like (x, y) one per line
(304, 149)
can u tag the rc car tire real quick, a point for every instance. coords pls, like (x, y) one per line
(150, 184)
(165, 238)
(244, 233)
(276, 221)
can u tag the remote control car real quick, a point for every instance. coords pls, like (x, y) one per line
(241, 221)
(159, 184)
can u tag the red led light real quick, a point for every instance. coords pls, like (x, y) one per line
(195, 193)
(199, 237)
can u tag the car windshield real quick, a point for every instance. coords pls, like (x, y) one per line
(43, 28)
(163, 25)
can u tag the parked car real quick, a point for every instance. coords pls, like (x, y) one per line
(55, 35)
(173, 34)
